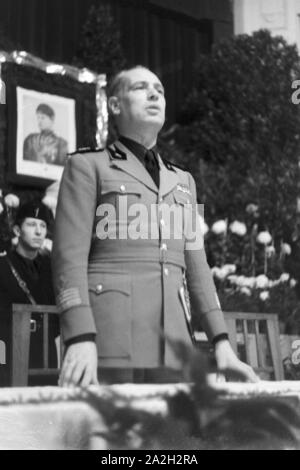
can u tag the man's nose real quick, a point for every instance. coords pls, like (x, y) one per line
(153, 94)
(38, 229)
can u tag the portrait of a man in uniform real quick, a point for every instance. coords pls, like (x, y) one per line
(45, 133)
(45, 146)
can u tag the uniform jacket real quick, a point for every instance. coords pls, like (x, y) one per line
(127, 289)
(45, 147)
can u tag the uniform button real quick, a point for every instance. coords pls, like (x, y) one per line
(161, 199)
(99, 288)
(162, 222)
(122, 188)
(166, 271)
(164, 246)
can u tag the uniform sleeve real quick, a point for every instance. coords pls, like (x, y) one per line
(73, 230)
(204, 300)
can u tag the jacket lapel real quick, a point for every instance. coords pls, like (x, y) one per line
(133, 167)
(168, 179)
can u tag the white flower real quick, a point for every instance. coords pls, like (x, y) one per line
(239, 228)
(222, 273)
(1, 208)
(229, 269)
(243, 281)
(12, 201)
(219, 227)
(284, 277)
(261, 281)
(240, 281)
(264, 238)
(293, 282)
(216, 272)
(47, 244)
(249, 282)
(270, 251)
(286, 249)
(15, 241)
(264, 295)
(245, 290)
(203, 226)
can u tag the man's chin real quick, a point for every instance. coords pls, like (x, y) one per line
(154, 121)
(36, 246)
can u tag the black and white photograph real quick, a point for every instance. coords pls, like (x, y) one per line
(46, 133)
(149, 227)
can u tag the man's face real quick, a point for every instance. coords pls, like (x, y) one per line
(142, 100)
(32, 233)
(44, 122)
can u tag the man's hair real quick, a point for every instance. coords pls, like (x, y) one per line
(118, 81)
(45, 109)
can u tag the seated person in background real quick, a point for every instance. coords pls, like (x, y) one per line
(25, 277)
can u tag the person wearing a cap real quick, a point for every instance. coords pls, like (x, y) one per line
(127, 243)
(45, 146)
(26, 262)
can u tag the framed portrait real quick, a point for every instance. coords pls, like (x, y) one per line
(46, 133)
(48, 117)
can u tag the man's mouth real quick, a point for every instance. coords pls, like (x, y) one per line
(154, 107)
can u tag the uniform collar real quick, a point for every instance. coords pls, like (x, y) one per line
(133, 166)
(138, 149)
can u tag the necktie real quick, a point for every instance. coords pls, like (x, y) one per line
(152, 166)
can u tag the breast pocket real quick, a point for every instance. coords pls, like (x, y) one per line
(116, 191)
(110, 298)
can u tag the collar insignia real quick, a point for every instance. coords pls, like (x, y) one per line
(116, 153)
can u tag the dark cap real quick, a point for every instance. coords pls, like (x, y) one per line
(34, 210)
(45, 109)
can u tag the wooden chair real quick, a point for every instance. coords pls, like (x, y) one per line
(21, 329)
(251, 334)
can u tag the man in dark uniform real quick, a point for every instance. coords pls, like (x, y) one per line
(119, 278)
(25, 264)
(45, 146)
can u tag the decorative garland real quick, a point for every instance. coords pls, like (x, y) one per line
(83, 75)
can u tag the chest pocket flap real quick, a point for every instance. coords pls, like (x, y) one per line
(120, 187)
(101, 284)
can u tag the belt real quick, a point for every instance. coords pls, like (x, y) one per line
(151, 254)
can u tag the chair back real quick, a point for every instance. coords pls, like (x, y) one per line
(255, 338)
(22, 323)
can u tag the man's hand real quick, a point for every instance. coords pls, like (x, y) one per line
(229, 364)
(79, 365)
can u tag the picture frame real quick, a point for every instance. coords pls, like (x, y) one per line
(46, 133)
(49, 116)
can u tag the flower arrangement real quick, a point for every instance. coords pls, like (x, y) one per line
(249, 266)
(8, 206)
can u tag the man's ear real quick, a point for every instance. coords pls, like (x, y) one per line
(16, 230)
(114, 105)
